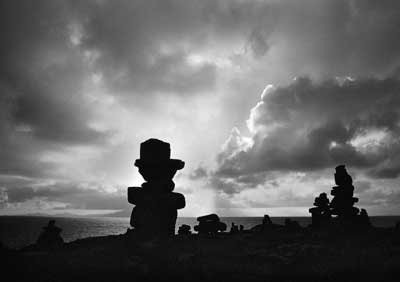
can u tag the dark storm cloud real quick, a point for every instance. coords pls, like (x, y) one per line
(41, 75)
(41, 86)
(143, 46)
(232, 185)
(72, 194)
(310, 126)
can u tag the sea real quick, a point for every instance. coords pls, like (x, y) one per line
(19, 231)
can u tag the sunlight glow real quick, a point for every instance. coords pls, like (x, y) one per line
(372, 138)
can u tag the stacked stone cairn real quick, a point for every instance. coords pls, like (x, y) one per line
(50, 238)
(343, 201)
(234, 228)
(209, 224)
(342, 204)
(321, 213)
(184, 229)
(156, 205)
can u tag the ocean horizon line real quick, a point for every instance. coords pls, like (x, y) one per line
(111, 216)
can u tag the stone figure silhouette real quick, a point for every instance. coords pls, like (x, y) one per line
(341, 206)
(343, 201)
(321, 213)
(184, 229)
(155, 211)
(209, 224)
(50, 237)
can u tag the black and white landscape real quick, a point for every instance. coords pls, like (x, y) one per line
(262, 102)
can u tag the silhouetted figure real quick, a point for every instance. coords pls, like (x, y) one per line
(321, 214)
(343, 201)
(241, 228)
(155, 211)
(209, 224)
(184, 229)
(50, 238)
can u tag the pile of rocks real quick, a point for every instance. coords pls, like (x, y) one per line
(155, 211)
(184, 229)
(343, 201)
(50, 238)
(321, 213)
(209, 224)
(342, 204)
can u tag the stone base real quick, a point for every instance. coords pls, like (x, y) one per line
(155, 213)
(140, 196)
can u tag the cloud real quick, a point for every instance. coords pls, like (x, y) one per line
(198, 173)
(71, 195)
(42, 88)
(257, 43)
(83, 83)
(308, 126)
(142, 46)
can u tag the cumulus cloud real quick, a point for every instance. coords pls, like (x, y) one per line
(308, 126)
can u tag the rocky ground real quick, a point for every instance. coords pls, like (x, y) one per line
(272, 255)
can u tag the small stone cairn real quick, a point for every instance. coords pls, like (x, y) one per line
(209, 224)
(184, 229)
(234, 228)
(342, 204)
(50, 238)
(321, 213)
(155, 211)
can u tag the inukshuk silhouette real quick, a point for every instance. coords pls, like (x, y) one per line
(343, 201)
(155, 211)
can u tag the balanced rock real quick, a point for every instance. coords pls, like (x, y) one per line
(341, 206)
(155, 211)
(343, 202)
(184, 229)
(209, 224)
(321, 214)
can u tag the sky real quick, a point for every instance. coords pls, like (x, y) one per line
(261, 99)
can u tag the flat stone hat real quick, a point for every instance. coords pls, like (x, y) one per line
(154, 152)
